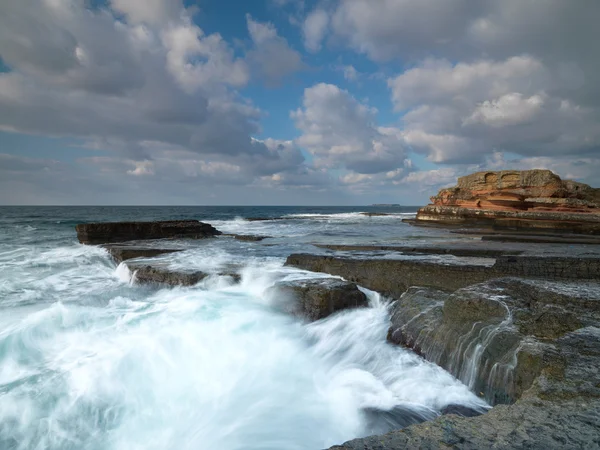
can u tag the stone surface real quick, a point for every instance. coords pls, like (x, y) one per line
(108, 232)
(247, 237)
(316, 299)
(537, 349)
(430, 250)
(122, 253)
(524, 200)
(394, 277)
(152, 274)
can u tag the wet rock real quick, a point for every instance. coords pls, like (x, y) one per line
(380, 421)
(146, 274)
(559, 401)
(423, 250)
(575, 239)
(523, 200)
(316, 299)
(549, 267)
(107, 232)
(496, 337)
(247, 237)
(393, 277)
(461, 410)
(122, 253)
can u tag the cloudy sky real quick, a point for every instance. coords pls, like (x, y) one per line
(290, 101)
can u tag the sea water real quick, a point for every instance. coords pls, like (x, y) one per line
(91, 360)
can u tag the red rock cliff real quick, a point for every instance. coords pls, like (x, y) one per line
(517, 199)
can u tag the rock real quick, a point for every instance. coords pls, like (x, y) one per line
(496, 337)
(394, 277)
(541, 239)
(430, 250)
(107, 232)
(146, 274)
(380, 421)
(523, 200)
(554, 375)
(461, 410)
(122, 253)
(316, 299)
(247, 237)
(375, 214)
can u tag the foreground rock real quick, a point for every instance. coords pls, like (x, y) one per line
(533, 346)
(523, 200)
(316, 299)
(102, 233)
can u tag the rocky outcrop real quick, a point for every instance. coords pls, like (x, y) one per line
(107, 232)
(316, 299)
(531, 348)
(524, 200)
(395, 276)
(120, 253)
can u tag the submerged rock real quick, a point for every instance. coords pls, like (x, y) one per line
(107, 232)
(146, 274)
(524, 200)
(122, 253)
(317, 299)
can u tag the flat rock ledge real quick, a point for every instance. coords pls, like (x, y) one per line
(315, 299)
(395, 276)
(108, 232)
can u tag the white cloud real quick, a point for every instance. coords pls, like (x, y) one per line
(271, 56)
(150, 11)
(456, 113)
(314, 29)
(341, 132)
(510, 109)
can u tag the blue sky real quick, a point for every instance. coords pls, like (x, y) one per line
(290, 101)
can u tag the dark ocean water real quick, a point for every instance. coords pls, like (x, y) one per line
(90, 360)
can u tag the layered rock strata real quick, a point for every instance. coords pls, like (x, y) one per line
(523, 200)
(394, 277)
(107, 232)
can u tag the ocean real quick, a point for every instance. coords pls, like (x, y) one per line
(91, 360)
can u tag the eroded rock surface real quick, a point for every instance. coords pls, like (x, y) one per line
(316, 299)
(533, 346)
(531, 199)
(107, 232)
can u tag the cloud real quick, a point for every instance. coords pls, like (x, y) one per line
(340, 132)
(149, 11)
(271, 56)
(142, 86)
(314, 29)
(457, 113)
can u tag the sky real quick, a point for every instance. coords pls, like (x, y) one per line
(290, 102)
